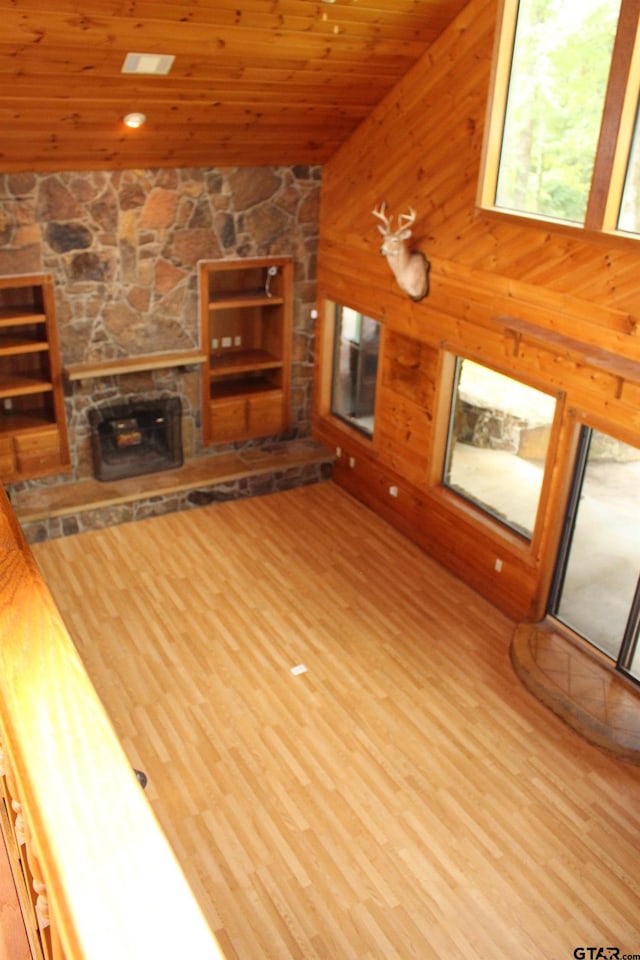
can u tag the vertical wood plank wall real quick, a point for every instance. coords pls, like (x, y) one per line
(556, 307)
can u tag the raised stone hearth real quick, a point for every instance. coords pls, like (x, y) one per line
(55, 511)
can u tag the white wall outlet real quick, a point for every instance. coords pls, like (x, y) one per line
(237, 341)
(498, 565)
(352, 462)
(215, 343)
(338, 452)
(8, 403)
(393, 491)
(226, 342)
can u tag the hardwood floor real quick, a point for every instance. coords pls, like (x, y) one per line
(405, 797)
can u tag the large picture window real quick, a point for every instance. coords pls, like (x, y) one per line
(355, 368)
(499, 432)
(561, 130)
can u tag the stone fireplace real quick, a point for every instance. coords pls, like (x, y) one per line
(123, 248)
(136, 437)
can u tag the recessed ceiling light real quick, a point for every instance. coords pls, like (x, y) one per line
(152, 64)
(134, 120)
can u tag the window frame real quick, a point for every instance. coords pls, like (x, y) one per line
(622, 103)
(527, 547)
(489, 508)
(354, 422)
(630, 642)
(324, 379)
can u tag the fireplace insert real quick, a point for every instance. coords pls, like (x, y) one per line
(136, 437)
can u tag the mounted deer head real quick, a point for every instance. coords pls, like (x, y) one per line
(410, 267)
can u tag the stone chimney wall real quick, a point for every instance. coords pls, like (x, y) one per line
(123, 249)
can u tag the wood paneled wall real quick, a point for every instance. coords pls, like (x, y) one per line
(554, 306)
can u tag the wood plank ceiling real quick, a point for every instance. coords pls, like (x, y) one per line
(253, 81)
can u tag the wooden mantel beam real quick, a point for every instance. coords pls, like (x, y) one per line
(136, 364)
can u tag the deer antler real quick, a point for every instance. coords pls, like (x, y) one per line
(410, 268)
(381, 215)
(406, 219)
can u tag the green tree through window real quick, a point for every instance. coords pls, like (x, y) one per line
(559, 73)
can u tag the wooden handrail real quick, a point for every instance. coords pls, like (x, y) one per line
(113, 885)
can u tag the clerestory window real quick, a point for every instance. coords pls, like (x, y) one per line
(562, 138)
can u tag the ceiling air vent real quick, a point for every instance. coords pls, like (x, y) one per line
(152, 64)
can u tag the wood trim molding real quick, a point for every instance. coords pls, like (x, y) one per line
(617, 121)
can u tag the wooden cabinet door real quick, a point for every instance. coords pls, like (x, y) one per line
(266, 414)
(7, 457)
(247, 417)
(228, 419)
(38, 451)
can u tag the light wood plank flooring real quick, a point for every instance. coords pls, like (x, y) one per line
(405, 797)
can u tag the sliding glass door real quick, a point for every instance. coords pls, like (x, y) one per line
(596, 589)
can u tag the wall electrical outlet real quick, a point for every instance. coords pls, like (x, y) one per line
(393, 491)
(352, 462)
(237, 341)
(226, 342)
(215, 343)
(498, 565)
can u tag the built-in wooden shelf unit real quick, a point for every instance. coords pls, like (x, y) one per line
(33, 433)
(245, 311)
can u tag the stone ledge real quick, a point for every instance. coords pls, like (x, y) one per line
(580, 687)
(74, 507)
